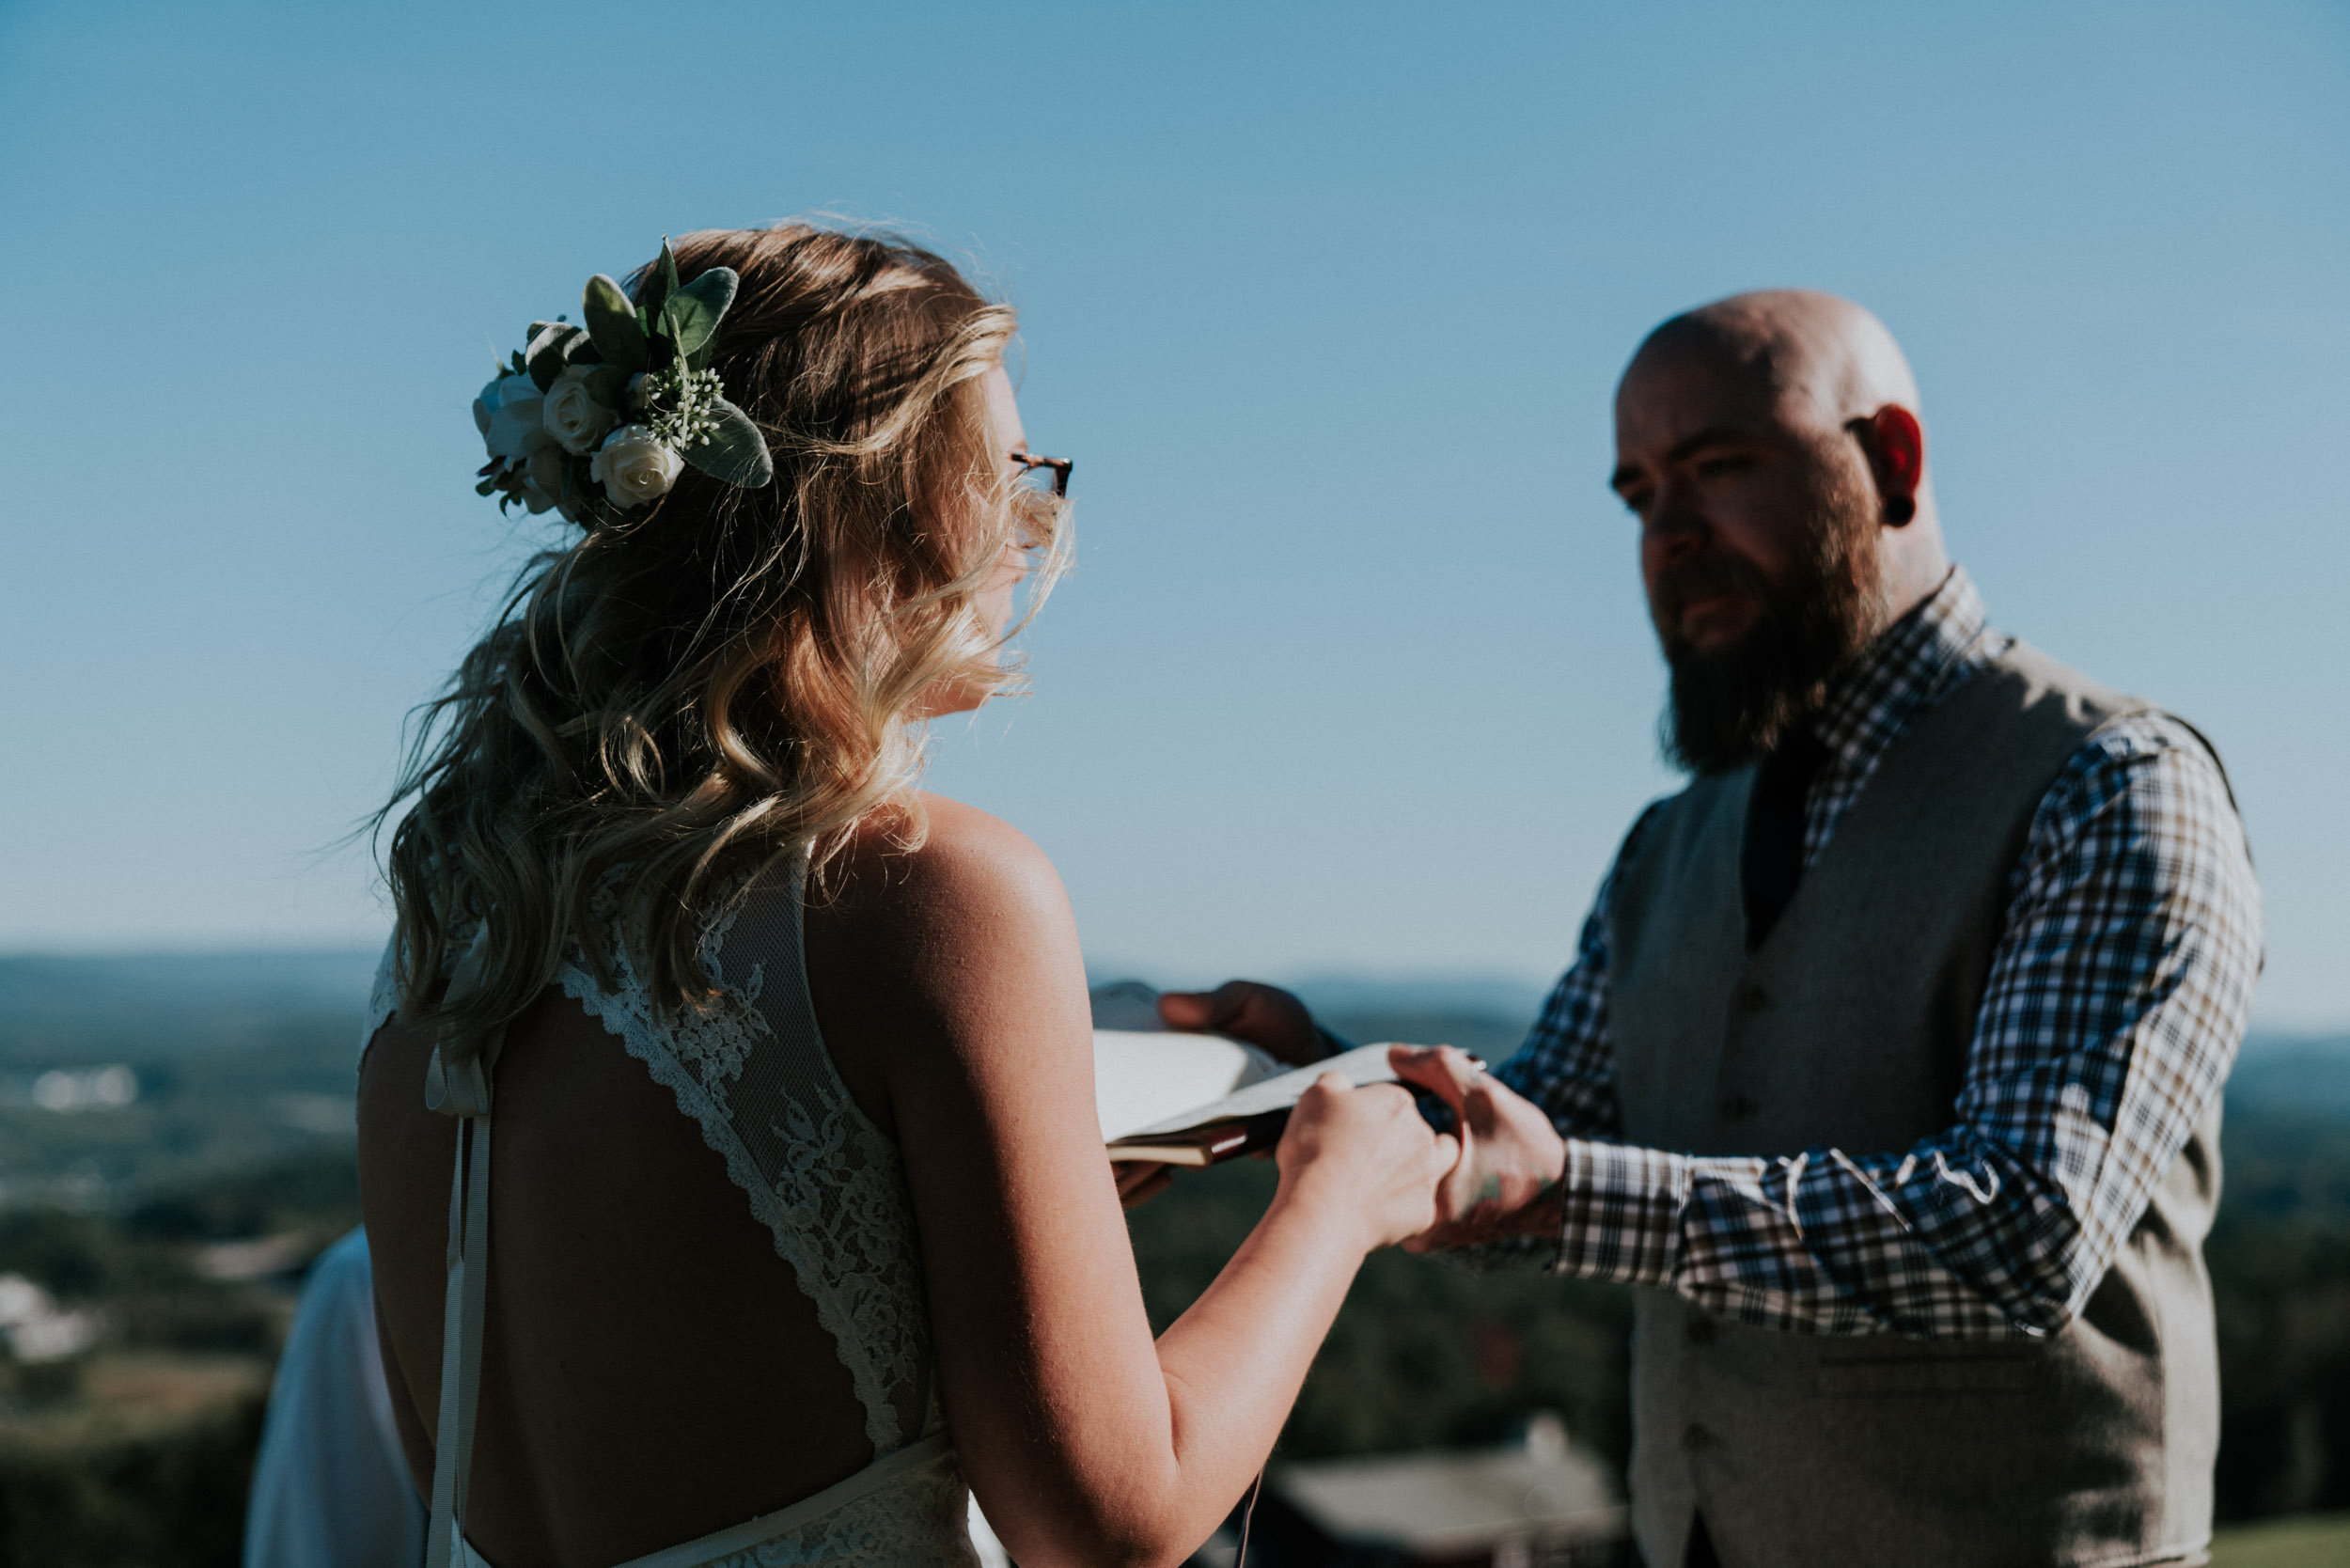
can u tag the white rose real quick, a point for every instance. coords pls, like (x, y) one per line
(570, 416)
(633, 467)
(508, 414)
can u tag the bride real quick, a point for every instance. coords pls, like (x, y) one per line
(797, 1171)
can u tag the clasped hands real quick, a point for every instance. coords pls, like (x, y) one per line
(1506, 1180)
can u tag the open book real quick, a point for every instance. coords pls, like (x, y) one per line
(1195, 1099)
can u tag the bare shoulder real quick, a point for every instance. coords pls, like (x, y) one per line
(971, 872)
(957, 950)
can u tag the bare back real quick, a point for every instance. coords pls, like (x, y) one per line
(654, 1366)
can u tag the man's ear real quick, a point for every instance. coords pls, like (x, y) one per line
(1896, 446)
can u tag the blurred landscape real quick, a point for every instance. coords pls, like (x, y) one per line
(174, 1146)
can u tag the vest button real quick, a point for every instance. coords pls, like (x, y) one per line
(1737, 1108)
(1750, 998)
(1694, 1438)
(1701, 1331)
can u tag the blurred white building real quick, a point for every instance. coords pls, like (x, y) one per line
(1538, 1503)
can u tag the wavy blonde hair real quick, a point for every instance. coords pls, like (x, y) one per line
(666, 706)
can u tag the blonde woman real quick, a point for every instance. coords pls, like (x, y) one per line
(796, 1167)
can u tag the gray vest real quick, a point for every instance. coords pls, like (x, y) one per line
(1848, 1028)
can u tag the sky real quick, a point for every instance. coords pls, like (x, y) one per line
(1327, 303)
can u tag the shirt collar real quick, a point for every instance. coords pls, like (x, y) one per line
(1912, 663)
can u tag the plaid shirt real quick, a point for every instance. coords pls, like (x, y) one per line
(2116, 997)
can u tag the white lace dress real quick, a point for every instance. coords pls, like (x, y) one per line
(752, 1073)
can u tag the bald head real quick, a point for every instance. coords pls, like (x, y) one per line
(1818, 358)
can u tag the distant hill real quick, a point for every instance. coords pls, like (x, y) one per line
(62, 1009)
(57, 1010)
(237, 1059)
(2292, 1073)
(245, 1057)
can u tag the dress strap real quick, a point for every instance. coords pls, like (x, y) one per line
(461, 1334)
(461, 1089)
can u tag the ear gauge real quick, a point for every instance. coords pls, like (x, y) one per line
(1899, 510)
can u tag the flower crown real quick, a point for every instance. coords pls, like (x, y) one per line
(625, 401)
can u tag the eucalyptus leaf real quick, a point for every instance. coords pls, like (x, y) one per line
(735, 451)
(614, 323)
(608, 385)
(660, 353)
(691, 317)
(653, 286)
(669, 270)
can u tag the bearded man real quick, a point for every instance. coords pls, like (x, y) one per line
(1888, 1067)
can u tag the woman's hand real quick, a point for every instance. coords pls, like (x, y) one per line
(1367, 1151)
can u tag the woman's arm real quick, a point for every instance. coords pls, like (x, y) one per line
(956, 969)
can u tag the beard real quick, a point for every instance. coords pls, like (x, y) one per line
(1733, 705)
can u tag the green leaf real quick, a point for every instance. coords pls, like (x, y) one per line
(613, 322)
(669, 271)
(608, 385)
(660, 353)
(521, 368)
(690, 319)
(735, 451)
(485, 487)
(653, 286)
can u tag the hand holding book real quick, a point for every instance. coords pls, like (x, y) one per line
(1135, 1073)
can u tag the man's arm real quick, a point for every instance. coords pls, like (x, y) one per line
(2115, 1002)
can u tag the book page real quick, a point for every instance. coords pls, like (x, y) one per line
(1365, 1064)
(1143, 1078)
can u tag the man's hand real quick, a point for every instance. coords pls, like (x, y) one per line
(1506, 1181)
(1265, 1016)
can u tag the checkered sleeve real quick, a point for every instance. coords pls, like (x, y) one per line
(1567, 1065)
(2115, 1002)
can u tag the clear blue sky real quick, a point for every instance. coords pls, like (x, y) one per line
(1327, 303)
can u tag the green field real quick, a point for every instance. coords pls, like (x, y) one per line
(2312, 1541)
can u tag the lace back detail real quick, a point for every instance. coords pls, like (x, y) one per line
(752, 1071)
